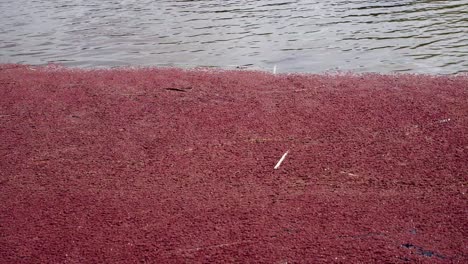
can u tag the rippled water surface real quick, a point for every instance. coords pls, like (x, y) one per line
(428, 36)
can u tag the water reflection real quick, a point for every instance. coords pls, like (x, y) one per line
(304, 35)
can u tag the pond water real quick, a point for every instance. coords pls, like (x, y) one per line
(424, 36)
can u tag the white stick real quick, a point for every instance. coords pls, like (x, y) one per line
(281, 160)
(274, 69)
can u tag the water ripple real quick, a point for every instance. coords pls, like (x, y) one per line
(302, 35)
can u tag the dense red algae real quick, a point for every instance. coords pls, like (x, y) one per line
(169, 165)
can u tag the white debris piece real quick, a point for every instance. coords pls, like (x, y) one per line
(444, 120)
(281, 160)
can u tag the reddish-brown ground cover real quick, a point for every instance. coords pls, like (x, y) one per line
(172, 166)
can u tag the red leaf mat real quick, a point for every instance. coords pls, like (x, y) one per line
(177, 166)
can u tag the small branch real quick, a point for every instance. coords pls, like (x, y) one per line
(216, 246)
(179, 89)
(136, 94)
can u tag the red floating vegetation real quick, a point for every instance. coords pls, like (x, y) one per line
(169, 165)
